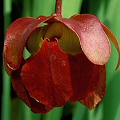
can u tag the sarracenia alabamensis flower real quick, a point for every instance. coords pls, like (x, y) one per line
(67, 61)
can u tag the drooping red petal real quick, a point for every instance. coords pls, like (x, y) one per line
(46, 75)
(23, 94)
(16, 38)
(14, 45)
(7, 69)
(87, 79)
(93, 40)
(115, 42)
(99, 92)
(85, 76)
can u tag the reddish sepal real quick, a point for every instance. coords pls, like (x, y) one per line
(88, 81)
(46, 75)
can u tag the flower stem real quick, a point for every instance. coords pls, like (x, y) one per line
(59, 7)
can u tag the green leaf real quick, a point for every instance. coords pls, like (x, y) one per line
(71, 7)
(43, 7)
(55, 114)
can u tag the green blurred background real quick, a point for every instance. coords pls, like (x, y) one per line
(108, 12)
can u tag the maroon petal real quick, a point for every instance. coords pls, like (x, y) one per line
(14, 45)
(8, 70)
(115, 42)
(99, 92)
(87, 80)
(93, 40)
(46, 75)
(23, 94)
(16, 38)
(85, 76)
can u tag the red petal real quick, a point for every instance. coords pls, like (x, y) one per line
(85, 78)
(24, 95)
(99, 92)
(14, 45)
(115, 42)
(46, 75)
(8, 70)
(16, 38)
(93, 40)
(88, 81)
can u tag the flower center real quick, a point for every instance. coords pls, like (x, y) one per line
(57, 31)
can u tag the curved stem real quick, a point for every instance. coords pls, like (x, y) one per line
(59, 7)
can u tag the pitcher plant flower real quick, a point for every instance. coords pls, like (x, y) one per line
(67, 62)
